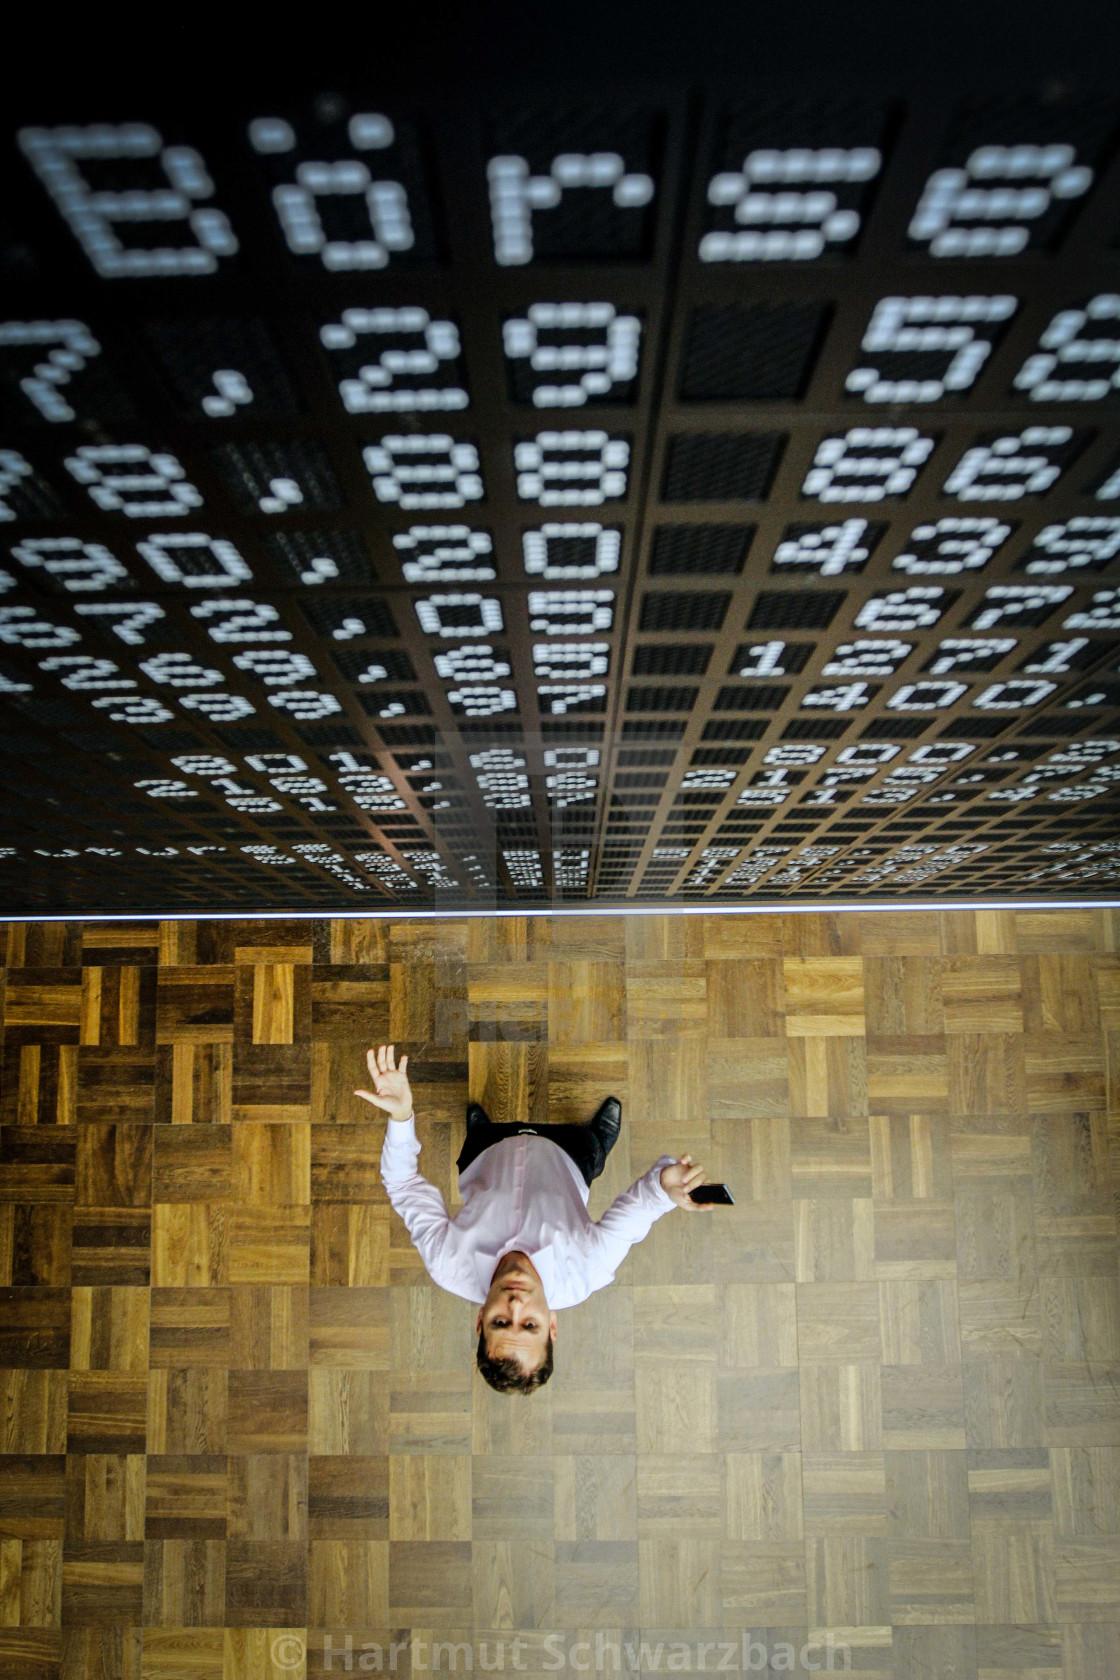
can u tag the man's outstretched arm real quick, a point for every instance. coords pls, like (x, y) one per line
(628, 1219)
(419, 1203)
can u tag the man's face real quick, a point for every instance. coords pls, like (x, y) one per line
(514, 1316)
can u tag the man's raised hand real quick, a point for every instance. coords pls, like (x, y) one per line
(390, 1083)
(679, 1179)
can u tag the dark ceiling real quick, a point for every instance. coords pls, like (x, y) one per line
(521, 489)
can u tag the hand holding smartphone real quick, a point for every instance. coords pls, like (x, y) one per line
(713, 1193)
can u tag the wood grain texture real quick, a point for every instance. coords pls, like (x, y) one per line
(878, 1398)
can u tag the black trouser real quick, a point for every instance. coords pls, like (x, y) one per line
(578, 1142)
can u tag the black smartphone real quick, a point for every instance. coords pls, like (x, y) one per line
(713, 1193)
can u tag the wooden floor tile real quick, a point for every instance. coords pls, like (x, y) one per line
(666, 999)
(676, 1495)
(267, 1412)
(923, 1407)
(267, 1497)
(982, 994)
(764, 1496)
(186, 1496)
(105, 1495)
(824, 997)
(266, 1583)
(845, 1493)
(931, 1583)
(268, 1327)
(1004, 1403)
(107, 1412)
(33, 1411)
(847, 1582)
(188, 1411)
(598, 1497)
(348, 1497)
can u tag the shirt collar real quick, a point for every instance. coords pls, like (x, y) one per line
(542, 1259)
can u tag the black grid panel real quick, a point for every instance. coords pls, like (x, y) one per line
(744, 353)
(689, 492)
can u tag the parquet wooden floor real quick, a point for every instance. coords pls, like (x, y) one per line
(878, 1400)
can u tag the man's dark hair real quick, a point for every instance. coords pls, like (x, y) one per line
(507, 1376)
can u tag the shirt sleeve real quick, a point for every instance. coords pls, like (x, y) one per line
(629, 1217)
(419, 1203)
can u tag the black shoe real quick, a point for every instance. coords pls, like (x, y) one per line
(476, 1116)
(607, 1124)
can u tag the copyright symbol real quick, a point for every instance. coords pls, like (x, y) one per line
(288, 1650)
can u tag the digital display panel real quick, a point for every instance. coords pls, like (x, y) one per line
(554, 499)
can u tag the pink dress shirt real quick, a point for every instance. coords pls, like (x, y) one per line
(524, 1193)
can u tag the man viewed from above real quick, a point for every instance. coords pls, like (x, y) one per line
(523, 1243)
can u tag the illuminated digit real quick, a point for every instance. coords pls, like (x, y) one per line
(459, 615)
(903, 609)
(65, 348)
(276, 667)
(524, 868)
(926, 696)
(977, 653)
(474, 664)
(570, 612)
(761, 659)
(1020, 604)
(557, 551)
(203, 764)
(194, 560)
(164, 789)
(128, 622)
(138, 709)
(445, 554)
(571, 661)
(787, 753)
(1008, 696)
(416, 471)
(395, 361)
(23, 494)
(240, 621)
(1008, 467)
(180, 670)
(551, 371)
(1102, 614)
(82, 672)
(946, 340)
(565, 469)
(712, 778)
(1078, 355)
(1087, 542)
(219, 707)
(952, 545)
(867, 659)
(305, 705)
(942, 753)
(22, 627)
(559, 698)
(480, 700)
(829, 550)
(866, 463)
(845, 697)
(79, 566)
(569, 758)
(130, 479)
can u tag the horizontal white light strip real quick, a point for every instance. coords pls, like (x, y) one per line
(709, 908)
